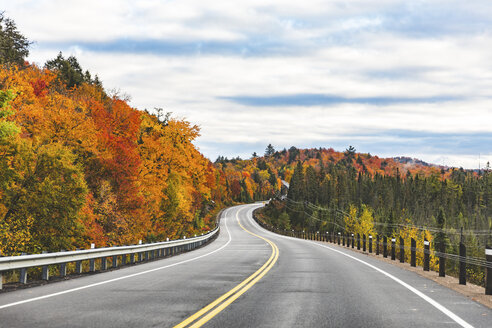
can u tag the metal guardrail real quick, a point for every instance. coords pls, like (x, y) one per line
(389, 244)
(144, 252)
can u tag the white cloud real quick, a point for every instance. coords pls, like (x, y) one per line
(358, 49)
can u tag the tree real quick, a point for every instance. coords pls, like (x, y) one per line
(293, 153)
(312, 185)
(296, 185)
(7, 128)
(350, 152)
(70, 72)
(269, 151)
(49, 189)
(284, 221)
(441, 238)
(14, 47)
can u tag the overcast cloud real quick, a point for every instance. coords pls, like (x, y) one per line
(393, 78)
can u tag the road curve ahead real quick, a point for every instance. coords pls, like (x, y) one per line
(248, 277)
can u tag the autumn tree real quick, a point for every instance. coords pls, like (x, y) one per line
(7, 128)
(48, 187)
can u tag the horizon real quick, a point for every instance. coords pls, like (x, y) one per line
(390, 78)
(481, 166)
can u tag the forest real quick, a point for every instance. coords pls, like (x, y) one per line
(79, 165)
(352, 192)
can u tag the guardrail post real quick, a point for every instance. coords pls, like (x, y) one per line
(364, 242)
(23, 274)
(115, 261)
(343, 239)
(103, 263)
(146, 255)
(140, 256)
(45, 271)
(63, 269)
(488, 278)
(339, 238)
(442, 260)
(358, 241)
(402, 250)
(385, 246)
(462, 263)
(370, 243)
(377, 244)
(123, 259)
(393, 252)
(426, 255)
(132, 258)
(352, 237)
(413, 250)
(78, 267)
(92, 265)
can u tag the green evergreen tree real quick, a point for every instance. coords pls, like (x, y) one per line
(269, 151)
(296, 186)
(14, 47)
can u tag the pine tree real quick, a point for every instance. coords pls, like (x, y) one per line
(441, 238)
(296, 186)
(269, 151)
(14, 47)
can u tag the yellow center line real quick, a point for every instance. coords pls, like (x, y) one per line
(229, 297)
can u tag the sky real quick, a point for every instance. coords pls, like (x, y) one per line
(389, 77)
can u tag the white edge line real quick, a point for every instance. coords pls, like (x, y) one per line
(434, 303)
(121, 278)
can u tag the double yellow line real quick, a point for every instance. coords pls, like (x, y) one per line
(208, 312)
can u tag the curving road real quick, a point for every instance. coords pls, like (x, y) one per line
(248, 277)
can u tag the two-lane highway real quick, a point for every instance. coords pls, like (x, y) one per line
(248, 277)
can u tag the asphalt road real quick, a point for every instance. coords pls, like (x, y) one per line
(259, 279)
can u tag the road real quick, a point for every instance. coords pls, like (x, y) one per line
(248, 277)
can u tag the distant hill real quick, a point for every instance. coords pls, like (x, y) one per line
(409, 160)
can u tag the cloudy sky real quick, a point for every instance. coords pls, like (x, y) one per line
(393, 78)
